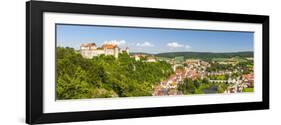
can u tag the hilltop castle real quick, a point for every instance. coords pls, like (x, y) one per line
(89, 50)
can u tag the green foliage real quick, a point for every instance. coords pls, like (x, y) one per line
(248, 90)
(199, 86)
(187, 87)
(106, 76)
(219, 77)
(215, 67)
(222, 87)
(246, 67)
(69, 87)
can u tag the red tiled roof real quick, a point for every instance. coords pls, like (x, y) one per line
(249, 76)
(109, 46)
(88, 44)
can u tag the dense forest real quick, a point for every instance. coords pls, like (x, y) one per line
(205, 55)
(105, 76)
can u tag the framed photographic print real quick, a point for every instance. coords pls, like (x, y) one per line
(95, 62)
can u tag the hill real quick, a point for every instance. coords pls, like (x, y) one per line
(206, 55)
(140, 53)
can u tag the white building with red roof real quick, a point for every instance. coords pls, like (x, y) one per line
(90, 50)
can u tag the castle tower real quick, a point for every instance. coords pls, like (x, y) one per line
(86, 49)
(127, 50)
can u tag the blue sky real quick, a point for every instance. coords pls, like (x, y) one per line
(150, 40)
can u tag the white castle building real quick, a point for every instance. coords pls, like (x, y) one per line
(89, 50)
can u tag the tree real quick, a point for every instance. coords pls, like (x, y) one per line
(106, 76)
(187, 87)
(73, 87)
(205, 80)
(197, 83)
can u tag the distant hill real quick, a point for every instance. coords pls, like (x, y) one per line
(136, 53)
(206, 55)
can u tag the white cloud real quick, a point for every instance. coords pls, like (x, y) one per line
(187, 46)
(115, 42)
(145, 44)
(175, 45)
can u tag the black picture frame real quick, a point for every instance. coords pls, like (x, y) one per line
(34, 61)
